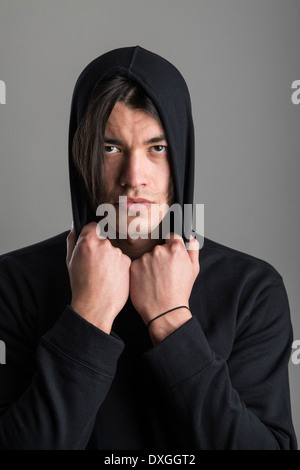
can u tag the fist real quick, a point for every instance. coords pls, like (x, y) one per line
(99, 277)
(163, 279)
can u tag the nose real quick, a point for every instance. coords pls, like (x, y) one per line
(134, 171)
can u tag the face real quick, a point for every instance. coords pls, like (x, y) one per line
(137, 166)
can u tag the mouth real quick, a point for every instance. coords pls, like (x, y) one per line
(133, 204)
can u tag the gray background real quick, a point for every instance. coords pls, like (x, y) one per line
(239, 58)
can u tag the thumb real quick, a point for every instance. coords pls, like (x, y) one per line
(71, 242)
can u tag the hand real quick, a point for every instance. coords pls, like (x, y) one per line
(99, 277)
(161, 280)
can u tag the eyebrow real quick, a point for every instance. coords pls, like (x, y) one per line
(154, 140)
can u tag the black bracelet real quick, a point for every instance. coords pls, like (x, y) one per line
(176, 308)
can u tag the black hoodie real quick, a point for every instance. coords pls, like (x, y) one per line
(220, 381)
(164, 84)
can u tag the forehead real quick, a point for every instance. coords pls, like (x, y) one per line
(125, 121)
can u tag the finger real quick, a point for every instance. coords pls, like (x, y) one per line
(91, 227)
(71, 242)
(171, 237)
(99, 234)
(193, 251)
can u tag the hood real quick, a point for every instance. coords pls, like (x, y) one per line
(166, 87)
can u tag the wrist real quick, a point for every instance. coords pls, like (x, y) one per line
(94, 316)
(162, 326)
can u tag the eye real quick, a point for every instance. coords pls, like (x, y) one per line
(110, 149)
(159, 148)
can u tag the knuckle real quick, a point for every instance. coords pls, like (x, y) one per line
(128, 260)
(145, 258)
(91, 225)
(105, 244)
(87, 242)
(194, 243)
(134, 266)
(157, 250)
(89, 238)
(176, 246)
(88, 228)
(118, 252)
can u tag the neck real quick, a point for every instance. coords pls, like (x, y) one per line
(135, 248)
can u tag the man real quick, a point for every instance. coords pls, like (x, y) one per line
(129, 344)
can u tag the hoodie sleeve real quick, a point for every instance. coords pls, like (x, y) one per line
(50, 401)
(242, 402)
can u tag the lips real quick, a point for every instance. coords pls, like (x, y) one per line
(133, 204)
(138, 201)
(132, 200)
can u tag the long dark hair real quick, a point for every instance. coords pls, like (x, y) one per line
(88, 142)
